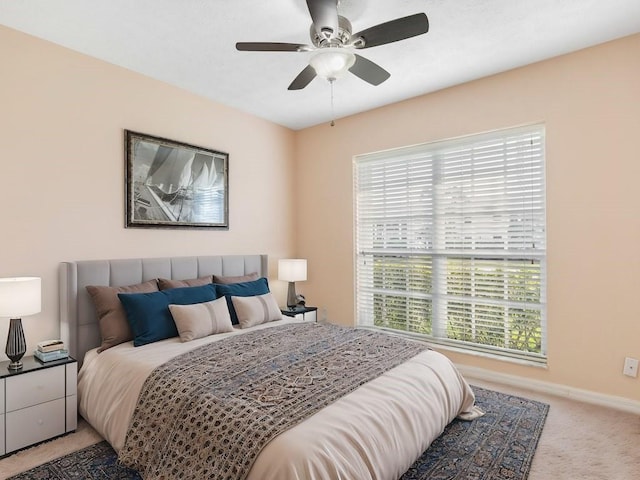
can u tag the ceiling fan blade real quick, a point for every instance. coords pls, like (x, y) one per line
(272, 47)
(389, 32)
(368, 71)
(324, 14)
(303, 79)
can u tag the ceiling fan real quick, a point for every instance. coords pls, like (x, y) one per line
(333, 44)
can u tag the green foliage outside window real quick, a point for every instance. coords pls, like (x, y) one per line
(404, 297)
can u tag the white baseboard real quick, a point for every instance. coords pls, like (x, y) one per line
(587, 396)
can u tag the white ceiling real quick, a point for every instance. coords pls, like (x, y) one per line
(191, 44)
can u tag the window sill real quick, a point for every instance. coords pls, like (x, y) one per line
(509, 357)
(491, 356)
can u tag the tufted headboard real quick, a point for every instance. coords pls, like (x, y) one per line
(78, 321)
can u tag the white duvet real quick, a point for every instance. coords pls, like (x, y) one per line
(375, 432)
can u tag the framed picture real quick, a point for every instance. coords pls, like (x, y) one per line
(171, 184)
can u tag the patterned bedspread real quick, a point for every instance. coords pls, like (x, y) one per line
(209, 412)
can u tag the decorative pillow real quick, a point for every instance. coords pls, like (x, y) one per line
(239, 279)
(148, 313)
(165, 283)
(255, 310)
(244, 289)
(112, 319)
(202, 319)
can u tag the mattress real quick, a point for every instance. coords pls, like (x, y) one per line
(375, 432)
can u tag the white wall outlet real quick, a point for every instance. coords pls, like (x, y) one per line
(630, 367)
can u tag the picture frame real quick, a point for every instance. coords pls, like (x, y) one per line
(171, 184)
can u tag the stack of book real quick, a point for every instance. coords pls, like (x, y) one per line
(51, 350)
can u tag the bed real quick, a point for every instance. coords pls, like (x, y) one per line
(375, 430)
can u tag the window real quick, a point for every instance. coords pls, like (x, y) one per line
(450, 242)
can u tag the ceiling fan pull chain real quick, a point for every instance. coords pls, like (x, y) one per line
(333, 115)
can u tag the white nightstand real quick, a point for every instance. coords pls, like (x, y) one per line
(37, 402)
(302, 313)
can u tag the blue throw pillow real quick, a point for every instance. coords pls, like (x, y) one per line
(242, 289)
(149, 315)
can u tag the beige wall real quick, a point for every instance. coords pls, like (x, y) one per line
(590, 104)
(62, 117)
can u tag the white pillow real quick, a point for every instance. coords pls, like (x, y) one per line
(256, 310)
(201, 319)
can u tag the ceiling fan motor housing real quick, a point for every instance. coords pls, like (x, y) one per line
(328, 38)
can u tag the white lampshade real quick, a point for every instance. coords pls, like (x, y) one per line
(332, 62)
(292, 269)
(20, 296)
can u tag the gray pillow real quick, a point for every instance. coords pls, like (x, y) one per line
(165, 283)
(238, 279)
(256, 310)
(201, 319)
(112, 319)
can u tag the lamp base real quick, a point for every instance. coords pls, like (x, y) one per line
(291, 296)
(15, 365)
(16, 345)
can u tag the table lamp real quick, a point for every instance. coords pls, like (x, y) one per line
(292, 270)
(19, 297)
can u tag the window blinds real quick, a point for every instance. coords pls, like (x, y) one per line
(450, 240)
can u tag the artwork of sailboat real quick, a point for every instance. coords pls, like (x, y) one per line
(179, 185)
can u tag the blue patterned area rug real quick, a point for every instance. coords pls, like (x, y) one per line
(498, 446)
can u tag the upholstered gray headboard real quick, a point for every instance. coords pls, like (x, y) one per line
(78, 321)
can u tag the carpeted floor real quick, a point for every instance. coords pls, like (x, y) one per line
(498, 446)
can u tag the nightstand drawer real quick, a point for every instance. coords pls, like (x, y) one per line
(34, 424)
(35, 387)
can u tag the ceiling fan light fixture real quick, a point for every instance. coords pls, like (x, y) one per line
(332, 62)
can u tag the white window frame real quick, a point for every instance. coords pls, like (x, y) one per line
(450, 242)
